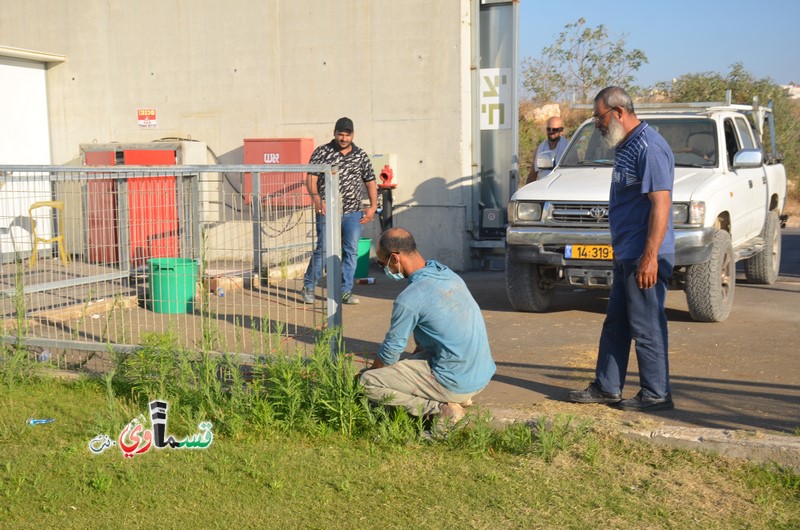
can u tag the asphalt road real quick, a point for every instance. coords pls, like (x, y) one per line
(743, 373)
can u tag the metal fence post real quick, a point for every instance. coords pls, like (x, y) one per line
(123, 226)
(256, 202)
(333, 249)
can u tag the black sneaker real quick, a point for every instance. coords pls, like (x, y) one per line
(593, 394)
(639, 403)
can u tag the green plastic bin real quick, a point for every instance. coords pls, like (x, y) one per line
(362, 265)
(171, 284)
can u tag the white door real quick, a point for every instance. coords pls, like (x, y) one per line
(24, 139)
(741, 188)
(756, 181)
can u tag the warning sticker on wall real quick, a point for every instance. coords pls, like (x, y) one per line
(147, 118)
(495, 89)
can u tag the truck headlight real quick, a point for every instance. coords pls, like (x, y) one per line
(688, 213)
(525, 211)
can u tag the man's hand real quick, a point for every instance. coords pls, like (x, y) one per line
(377, 363)
(648, 272)
(320, 209)
(369, 214)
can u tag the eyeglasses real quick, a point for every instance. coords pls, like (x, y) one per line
(596, 117)
(555, 129)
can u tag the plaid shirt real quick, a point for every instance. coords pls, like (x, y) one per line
(355, 168)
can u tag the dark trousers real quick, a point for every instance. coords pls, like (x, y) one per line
(638, 315)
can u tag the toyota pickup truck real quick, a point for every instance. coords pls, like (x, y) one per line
(728, 199)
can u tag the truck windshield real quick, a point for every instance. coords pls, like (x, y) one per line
(693, 142)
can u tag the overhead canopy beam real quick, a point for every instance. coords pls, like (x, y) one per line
(31, 55)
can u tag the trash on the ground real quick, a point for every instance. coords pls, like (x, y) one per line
(44, 356)
(363, 281)
(95, 316)
(35, 421)
(220, 291)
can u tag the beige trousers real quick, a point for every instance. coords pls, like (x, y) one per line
(410, 384)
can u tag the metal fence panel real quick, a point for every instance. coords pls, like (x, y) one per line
(93, 258)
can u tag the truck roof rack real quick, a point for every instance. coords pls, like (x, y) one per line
(759, 113)
(700, 106)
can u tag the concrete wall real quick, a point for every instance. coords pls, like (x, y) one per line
(219, 72)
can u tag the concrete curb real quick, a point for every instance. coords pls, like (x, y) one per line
(751, 445)
(754, 446)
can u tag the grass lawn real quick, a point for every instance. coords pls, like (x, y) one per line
(263, 477)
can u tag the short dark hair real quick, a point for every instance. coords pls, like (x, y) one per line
(614, 96)
(397, 240)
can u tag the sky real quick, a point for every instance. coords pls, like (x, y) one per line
(679, 36)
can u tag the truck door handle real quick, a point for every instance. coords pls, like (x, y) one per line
(764, 179)
(750, 182)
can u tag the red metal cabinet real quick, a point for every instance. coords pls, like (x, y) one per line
(101, 206)
(284, 188)
(152, 208)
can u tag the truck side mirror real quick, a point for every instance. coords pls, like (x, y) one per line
(748, 158)
(546, 160)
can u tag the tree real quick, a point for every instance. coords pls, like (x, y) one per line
(580, 63)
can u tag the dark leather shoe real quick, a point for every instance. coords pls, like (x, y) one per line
(593, 394)
(640, 403)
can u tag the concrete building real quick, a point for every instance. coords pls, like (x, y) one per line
(431, 82)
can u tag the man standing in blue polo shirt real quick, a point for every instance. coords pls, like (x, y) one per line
(640, 217)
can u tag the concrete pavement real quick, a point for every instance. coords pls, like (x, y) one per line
(738, 379)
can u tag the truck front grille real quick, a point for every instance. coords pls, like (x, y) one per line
(579, 213)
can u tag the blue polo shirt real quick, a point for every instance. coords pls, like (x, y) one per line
(643, 163)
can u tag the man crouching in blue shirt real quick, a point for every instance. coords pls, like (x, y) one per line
(452, 361)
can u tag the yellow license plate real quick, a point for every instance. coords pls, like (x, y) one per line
(589, 252)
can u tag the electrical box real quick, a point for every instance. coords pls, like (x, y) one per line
(151, 202)
(493, 222)
(381, 162)
(286, 189)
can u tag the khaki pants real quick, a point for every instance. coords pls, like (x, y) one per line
(410, 384)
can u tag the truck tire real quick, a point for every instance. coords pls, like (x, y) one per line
(526, 288)
(710, 285)
(763, 267)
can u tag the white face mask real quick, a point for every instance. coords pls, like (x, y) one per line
(396, 276)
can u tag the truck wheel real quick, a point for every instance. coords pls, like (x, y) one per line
(763, 267)
(710, 285)
(527, 288)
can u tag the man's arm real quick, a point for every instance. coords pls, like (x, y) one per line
(533, 174)
(661, 209)
(313, 191)
(372, 192)
(404, 320)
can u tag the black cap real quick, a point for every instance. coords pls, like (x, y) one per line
(344, 125)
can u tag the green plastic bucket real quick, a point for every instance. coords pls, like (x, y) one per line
(362, 265)
(171, 284)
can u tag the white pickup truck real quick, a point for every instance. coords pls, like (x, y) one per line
(728, 198)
